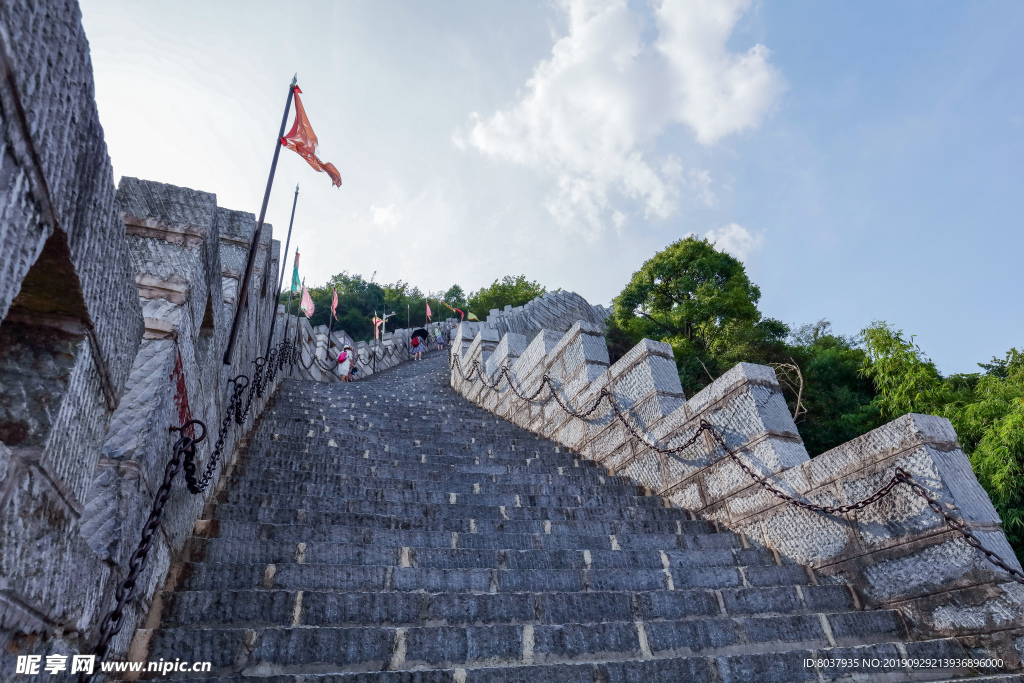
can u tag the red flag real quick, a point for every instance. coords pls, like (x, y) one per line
(428, 310)
(302, 140)
(334, 304)
(307, 303)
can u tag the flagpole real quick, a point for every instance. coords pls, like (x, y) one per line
(296, 345)
(243, 293)
(288, 314)
(330, 323)
(280, 283)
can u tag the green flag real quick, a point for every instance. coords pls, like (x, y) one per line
(296, 285)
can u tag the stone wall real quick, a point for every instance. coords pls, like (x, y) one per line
(319, 347)
(895, 553)
(555, 311)
(114, 312)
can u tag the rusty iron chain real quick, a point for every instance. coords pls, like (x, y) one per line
(111, 625)
(899, 477)
(184, 457)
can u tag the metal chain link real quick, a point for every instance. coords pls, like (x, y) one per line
(900, 476)
(185, 447)
(184, 457)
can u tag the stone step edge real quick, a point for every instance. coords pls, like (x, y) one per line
(398, 663)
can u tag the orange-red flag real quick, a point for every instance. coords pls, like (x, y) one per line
(302, 140)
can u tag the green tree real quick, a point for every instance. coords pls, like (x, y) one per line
(509, 290)
(456, 297)
(699, 300)
(359, 300)
(837, 397)
(986, 409)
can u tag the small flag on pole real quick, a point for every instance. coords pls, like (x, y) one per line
(302, 140)
(334, 304)
(307, 303)
(376, 326)
(295, 275)
(428, 310)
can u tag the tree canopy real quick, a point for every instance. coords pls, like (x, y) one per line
(699, 300)
(359, 300)
(985, 408)
(509, 290)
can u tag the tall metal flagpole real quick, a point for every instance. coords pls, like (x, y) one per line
(288, 312)
(280, 283)
(243, 293)
(330, 324)
(296, 344)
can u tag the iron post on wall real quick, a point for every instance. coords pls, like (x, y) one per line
(280, 283)
(243, 295)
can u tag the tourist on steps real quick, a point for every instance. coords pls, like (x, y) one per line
(346, 364)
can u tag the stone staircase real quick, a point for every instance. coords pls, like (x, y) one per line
(389, 530)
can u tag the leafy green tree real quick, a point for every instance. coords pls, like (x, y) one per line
(699, 300)
(359, 300)
(509, 290)
(456, 297)
(837, 397)
(986, 409)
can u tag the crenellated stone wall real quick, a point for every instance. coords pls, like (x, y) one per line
(895, 553)
(115, 305)
(319, 347)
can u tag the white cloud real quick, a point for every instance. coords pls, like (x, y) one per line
(384, 216)
(590, 114)
(736, 240)
(715, 92)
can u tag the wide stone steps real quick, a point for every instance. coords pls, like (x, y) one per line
(240, 551)
(216, 576)
(236, 506)
(734, 669)
(332, 608)
(642, 508)
(353, 647)
(233, 517)
(389, 531)
(443, 539)
(479, 485)
(419, 471)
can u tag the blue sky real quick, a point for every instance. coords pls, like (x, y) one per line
(863, 159)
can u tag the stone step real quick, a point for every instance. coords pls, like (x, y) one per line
(377, 647)
(419, 469)
(525, 484)
(786, 668)
(469, 508)
(412, 447)
(238, 551)
(320, 608)
(356, 535)
(228, 515)
(544, 496)
(202, 576)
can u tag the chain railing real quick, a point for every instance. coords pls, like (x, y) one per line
(241, 393)
(899, 477)
(376, 354)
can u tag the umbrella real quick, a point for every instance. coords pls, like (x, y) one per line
(420, 332)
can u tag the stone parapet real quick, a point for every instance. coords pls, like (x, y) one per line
(894, 553)
(318, 347)
(551, 311)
